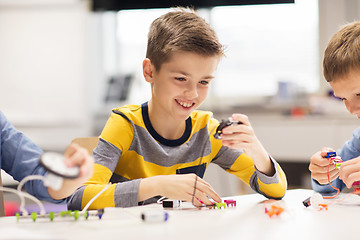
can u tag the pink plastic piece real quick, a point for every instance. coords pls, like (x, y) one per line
(230, 202)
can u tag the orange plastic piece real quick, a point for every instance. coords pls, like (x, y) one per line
(275, 210)
(357, 191)
(323, 206)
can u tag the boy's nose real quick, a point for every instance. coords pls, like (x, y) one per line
(191, 91)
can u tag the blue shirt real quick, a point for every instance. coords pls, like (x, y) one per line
(350, 150)
(20, 158)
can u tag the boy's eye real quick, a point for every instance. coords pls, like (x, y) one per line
(180, 78)
(204, 82)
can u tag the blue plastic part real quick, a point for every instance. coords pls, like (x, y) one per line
(330, 154)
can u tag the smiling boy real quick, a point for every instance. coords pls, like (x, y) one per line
(342, 71)
(162, 148)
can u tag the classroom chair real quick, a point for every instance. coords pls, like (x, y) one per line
(87, 142)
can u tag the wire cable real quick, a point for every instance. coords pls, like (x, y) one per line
(337, 189)
(29, 178)
(22, 196)
(19, 189)
(95, 197)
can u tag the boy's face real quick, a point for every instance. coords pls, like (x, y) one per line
(348, 89)
(182, 84)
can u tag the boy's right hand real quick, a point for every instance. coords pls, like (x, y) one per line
(180, 187)
(319, 167)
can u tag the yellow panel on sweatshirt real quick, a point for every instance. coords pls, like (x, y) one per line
(106, 199)
(276, 190)
(138, 168)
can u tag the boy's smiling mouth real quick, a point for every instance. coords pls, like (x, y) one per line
(185, 104)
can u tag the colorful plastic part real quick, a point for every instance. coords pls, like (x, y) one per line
(17, 216)
(64, 213)
(34, 216)
(337, 161)
(100, 213)
(76, 214)
(230, 202)
(330, 154)
(223, 124)
(51, 216)
(307, 202)
(323, 206)
(219, 205)
(357, 191)
(356, 186)
(275, 210)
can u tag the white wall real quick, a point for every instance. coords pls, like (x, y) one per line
(332, 15)
(43, 69)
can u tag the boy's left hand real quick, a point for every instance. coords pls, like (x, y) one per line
(350, 171)
(242, 136)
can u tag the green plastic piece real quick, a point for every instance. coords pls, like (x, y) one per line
(219, 205)
(64, 213)
(51, 216)
(17, 216)
(76, 214)
(86, 215)
(338, 165)
(34, 216)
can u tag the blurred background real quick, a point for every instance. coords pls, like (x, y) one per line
(64, 64)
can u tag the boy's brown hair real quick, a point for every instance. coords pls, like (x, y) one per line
(342, 53)
(181, 30)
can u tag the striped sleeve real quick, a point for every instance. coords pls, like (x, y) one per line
(106, 155)
(243, 167)
(124, 194)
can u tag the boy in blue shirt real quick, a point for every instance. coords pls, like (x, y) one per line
(342, 71)
(20, 158)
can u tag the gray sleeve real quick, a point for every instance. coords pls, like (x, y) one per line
(264, 178)
(226, 157)
(126, 193)
(268, 179)
(106, 154)
(74, 201)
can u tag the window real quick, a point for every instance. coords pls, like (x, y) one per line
(265, 45)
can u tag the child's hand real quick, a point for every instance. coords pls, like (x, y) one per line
(181, 187)
(74, 156)
(79, 156)
(350, 171)
(242, 136)
(319, 167)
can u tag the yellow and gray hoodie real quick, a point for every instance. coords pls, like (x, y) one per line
(130, 149)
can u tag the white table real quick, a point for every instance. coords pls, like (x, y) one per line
(247, 221)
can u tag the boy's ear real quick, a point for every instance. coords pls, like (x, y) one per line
(148, 69)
